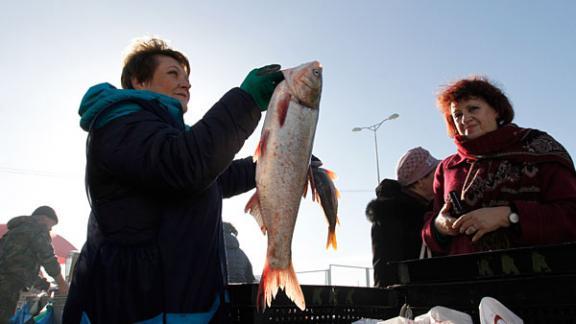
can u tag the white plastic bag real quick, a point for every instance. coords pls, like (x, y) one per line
(493, 312)
(367, 321)
(444, 315)
(397, 320)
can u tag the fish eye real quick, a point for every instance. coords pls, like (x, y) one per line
(316, 72)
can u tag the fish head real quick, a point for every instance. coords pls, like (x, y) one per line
(305, 83)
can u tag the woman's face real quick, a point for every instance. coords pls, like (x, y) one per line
(169, 79)
(473, 117)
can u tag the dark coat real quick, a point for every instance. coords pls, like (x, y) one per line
(238, 265)
(155, 246)
(397, 217)
(23, 249)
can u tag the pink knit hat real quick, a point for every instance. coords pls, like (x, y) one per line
(415, 165)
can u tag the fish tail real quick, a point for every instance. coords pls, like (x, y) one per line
(331, 241)
(272, 279)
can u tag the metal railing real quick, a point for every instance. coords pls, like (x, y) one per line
(331, 276)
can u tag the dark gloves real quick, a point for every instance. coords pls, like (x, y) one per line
(260, 84)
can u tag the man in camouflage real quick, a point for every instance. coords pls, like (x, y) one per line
(23, 249)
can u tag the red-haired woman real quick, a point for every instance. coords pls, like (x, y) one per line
(506, 186)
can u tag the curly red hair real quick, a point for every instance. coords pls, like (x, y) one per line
(474, 87)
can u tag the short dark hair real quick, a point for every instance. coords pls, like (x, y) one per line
(475, 86)
(140, 62)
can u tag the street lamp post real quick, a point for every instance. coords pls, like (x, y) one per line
(374, 128)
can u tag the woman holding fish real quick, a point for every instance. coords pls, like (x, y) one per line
(506, 186)
(155, 249)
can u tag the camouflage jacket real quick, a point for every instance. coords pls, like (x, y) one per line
(24, 248)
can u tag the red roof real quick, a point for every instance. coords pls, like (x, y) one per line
(61, 245)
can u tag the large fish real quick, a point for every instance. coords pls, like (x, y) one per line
(283, 156)
(325, 193)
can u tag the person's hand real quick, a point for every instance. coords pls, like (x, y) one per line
(444, 221)
(481, 221)
(260, 84)
(62, 285)
(41, 284)
(63, 289)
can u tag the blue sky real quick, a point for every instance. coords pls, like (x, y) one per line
(380, 57)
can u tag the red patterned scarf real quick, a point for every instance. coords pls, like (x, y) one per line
(500, 158)
(514, 143)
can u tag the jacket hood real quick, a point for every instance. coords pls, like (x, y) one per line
(378, 207)
(19, 221)
(104, 95)
(231, 241)
(388, 188)
(387, 193)
(391, 198)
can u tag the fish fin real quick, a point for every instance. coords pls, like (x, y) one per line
(283, 104)
(261, 149)
(253, 207)
(330, 174)
(332, 177)
(315, 196)
(256, 154)
(272, 279)
(332, 238)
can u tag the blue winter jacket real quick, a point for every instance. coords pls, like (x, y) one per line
(155, 250)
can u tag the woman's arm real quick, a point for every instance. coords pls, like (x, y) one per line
(144, 150)
(550, 219)
(238, 178)
(437, 230)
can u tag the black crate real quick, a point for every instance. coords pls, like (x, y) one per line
(537, 299)
(537, 283)
(324, 304)
(511, 263)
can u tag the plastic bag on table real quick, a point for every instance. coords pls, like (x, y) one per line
(397, 320)
(493, 312)
(439, 314)
(367, 321)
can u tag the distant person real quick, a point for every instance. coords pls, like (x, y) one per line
(510, 186)
(23, 250)
(155, 248)
(397, 214)
(237, 262)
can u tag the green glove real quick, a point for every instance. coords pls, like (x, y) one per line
(260, 84)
